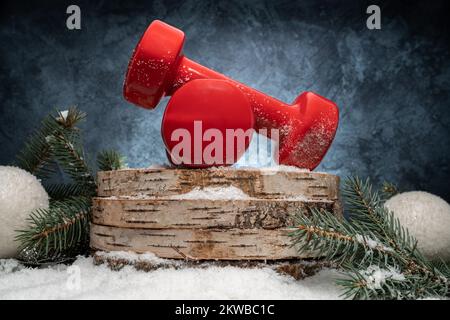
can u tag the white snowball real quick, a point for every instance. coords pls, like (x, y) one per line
(427, 217)
(20, 194)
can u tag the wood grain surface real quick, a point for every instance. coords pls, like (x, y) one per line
(140, 210)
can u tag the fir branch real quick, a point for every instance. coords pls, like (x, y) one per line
(58, 231)
(337, 240)
(108, 160)
(61, 191)
(366, 207)
(36, 155)
(31, 258)
(376, 283)
(70, 118)
(62, 231)
(389, 190)
(441, 267)
(378, 255)
(71, 157)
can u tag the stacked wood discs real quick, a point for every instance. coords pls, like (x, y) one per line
(207, 214)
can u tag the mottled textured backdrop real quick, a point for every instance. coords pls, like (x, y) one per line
(392, 85)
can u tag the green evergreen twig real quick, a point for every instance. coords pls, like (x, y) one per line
(378, 256)
(61, 232)
(36, 155)
(389, 190)
(108, 160)
(61, 191)
(71, 157)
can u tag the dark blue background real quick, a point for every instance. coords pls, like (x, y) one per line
(392, 85)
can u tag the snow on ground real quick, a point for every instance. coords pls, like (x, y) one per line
(83, 280)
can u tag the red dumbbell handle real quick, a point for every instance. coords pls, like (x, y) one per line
(270, 113)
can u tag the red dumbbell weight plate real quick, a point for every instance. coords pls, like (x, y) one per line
(207, 123)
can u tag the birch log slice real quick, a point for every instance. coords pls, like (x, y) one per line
(163, 213)
(141, 210)
(198, 244)
(267, 183)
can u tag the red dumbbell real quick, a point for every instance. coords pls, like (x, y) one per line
(158, 68)
(198, 132)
